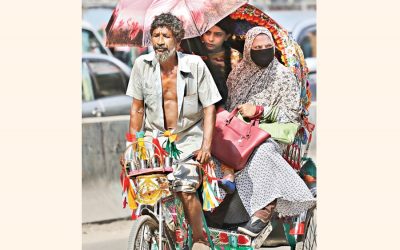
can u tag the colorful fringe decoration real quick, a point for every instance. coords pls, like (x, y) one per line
(128, 192)
(211, 195)
(131, 198)
(124, 184)
(170, 147)
(158, 150)
(141, 149)
(129, 140)
(129, 137)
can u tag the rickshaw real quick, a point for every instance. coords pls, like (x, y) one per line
(159, 219)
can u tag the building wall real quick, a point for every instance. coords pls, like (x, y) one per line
(102, 144)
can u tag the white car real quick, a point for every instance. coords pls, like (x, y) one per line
(92, 41)
(104, 83)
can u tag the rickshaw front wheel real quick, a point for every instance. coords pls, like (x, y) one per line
(144, 233)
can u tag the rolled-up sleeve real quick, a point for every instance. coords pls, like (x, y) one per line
(135, 82)
(208, 91)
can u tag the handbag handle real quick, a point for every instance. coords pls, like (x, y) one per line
(254, 122)
(231, 115)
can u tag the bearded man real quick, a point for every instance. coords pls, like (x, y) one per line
(176, 92)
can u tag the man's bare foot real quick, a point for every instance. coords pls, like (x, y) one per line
(227, 183)
(229, 177)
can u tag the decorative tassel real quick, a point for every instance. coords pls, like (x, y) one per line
(128, 191)
(124, 201)
(129, 140)
(158, 150)
(130, 137)
(170, 147)
(124, 183)
(211, 195)
(134, 216)
(131, 198)
(141, 146)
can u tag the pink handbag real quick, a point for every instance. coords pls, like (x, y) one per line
(234, 140)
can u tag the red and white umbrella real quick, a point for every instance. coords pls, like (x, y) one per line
(130, 22)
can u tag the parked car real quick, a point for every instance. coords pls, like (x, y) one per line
(92, 41)
(104, 83)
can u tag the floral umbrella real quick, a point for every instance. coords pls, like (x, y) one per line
(130, 22)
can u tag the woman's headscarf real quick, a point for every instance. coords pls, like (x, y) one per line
(231, 58)
(268, 86)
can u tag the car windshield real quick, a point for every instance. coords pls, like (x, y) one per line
(108, 79)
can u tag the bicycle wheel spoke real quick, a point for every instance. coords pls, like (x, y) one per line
(310, 237)
(141, 239)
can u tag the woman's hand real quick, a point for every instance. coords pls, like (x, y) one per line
(247, 109)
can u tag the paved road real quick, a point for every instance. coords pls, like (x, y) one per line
(114, 236)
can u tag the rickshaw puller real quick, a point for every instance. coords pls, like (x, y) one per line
(175, 91)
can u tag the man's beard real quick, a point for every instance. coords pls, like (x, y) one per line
(165, 55)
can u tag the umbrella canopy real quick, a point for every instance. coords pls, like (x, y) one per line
(130, 22)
